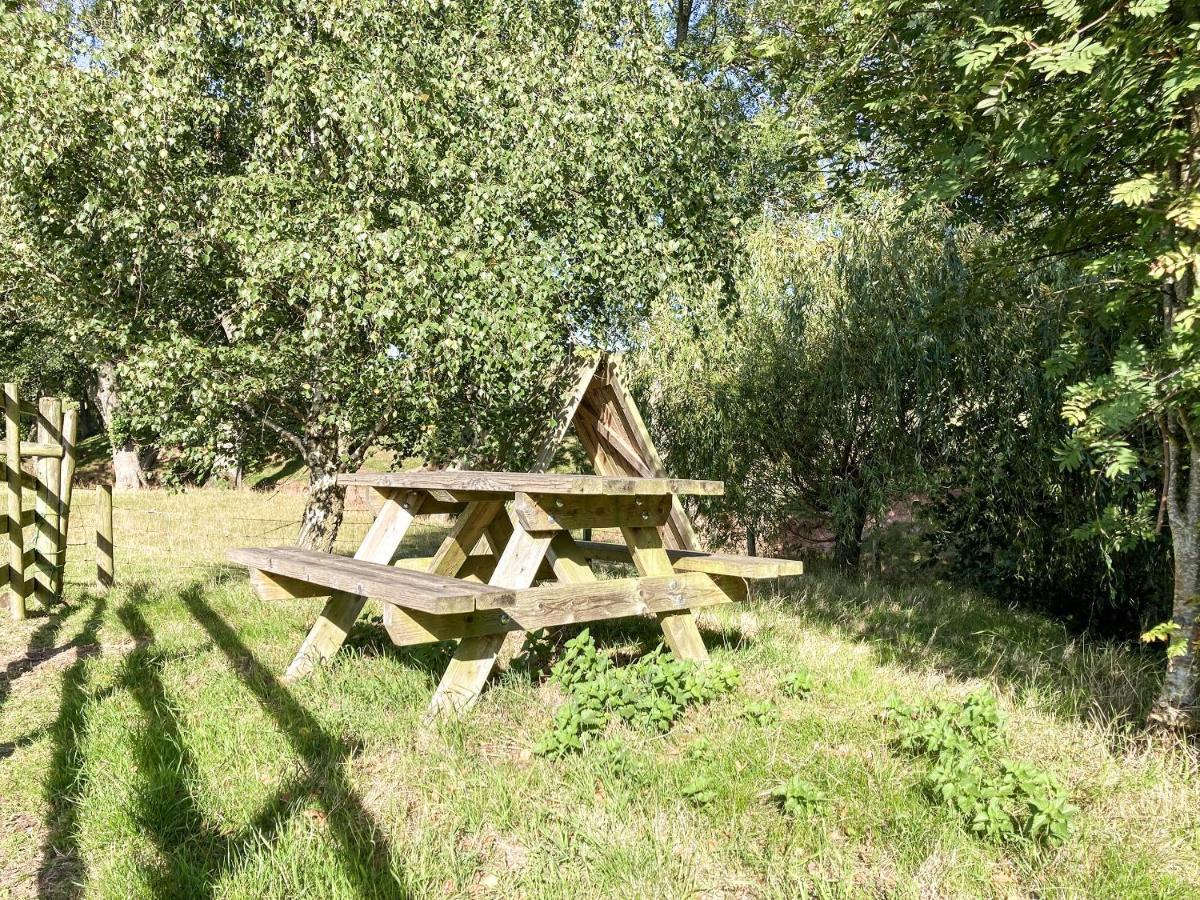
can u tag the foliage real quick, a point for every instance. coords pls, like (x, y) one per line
(797, 684)
(700, 791)
(649, 694)
(320, 228)
(760, 712)
(1075, 125)
(828, 390)
(1000, 800)
(797, 797)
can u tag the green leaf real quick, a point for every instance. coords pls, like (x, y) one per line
(1137, 191)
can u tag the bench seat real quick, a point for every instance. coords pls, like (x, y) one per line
(753, 567)
(403, 587)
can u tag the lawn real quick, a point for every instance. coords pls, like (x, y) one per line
(147, 748)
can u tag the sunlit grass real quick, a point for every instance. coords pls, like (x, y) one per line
(147, 749)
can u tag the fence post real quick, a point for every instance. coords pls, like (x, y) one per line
(65, 490)
(104, 537)
(49, 470)
(18, 587)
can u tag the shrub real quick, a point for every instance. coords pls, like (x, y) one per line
(650, 693)
(1000, 800)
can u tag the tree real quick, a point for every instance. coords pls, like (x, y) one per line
(1075, 125)
(329, 228)
(824, 391)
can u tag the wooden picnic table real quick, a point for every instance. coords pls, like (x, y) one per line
(509, 564)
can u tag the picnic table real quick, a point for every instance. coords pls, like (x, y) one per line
(509, 564)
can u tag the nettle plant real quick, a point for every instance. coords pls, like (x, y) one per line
(649, 694)
(1000, 800)
(797, 797)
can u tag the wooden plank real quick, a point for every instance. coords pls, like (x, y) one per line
(754, 567)
(617, 446)
(569, 564)
(40, 450)
(414, 590)
(679, 627)
(49, 474)
(551, 606)
(509, 483)
(587, 370)
(341, 611)
(473, 660)
(738, 566)
(476, 569)
(66, 489)
(105, 571)
(269, 586)
(678, 533)
(452, 555)
(468, 529)
(18, 586)
(558, 512)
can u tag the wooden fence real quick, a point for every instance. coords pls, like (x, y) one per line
(38, 568)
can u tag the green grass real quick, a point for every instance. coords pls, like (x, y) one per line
(148, 750)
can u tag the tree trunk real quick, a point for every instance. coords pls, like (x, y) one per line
(847, 545)
(326, 499)
(128, 459)
(683, 21)
(1178, 705)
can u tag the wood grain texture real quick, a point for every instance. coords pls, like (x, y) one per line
(551, 512)
(404, 587)
(679, 627)
(753, 567)
(342, 610)
(505, 484)
(551, 606)
(473, 660)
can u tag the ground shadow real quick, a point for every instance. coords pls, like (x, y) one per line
(196, 852)
(923, 625)
(286, 470)
(365, 851)
(59, 872)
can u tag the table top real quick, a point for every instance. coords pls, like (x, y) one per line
(509, 483)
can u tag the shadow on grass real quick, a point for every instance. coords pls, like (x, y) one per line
(365, 852)
(60, 870)
(195, 851)
(929, 625)
(286, 470)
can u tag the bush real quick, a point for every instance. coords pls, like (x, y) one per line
(1000, 800)
(649, 694)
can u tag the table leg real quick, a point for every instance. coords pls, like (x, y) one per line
(679, 626)
(342, 610)
(473, 660)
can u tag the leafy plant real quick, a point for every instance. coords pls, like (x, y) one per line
(700, 791)
(797, 797)
(797, 684)
(999, 800)
(700, 751)
(760, 712)
(650, 693)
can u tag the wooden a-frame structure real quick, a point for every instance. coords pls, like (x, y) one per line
(614, 437)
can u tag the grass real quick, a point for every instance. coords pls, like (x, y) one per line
(147, 749)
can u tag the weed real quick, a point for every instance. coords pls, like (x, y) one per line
(797, 684)
(797, 797)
